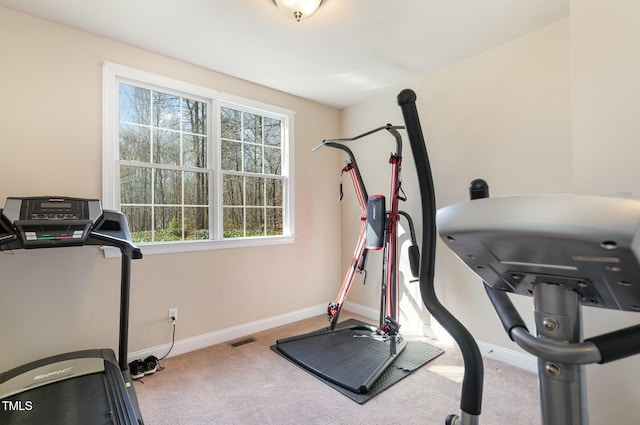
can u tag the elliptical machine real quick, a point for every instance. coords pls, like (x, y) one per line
(564, 251)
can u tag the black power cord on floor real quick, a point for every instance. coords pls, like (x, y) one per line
(140, 368)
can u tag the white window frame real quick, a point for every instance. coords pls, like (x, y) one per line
(112, 75)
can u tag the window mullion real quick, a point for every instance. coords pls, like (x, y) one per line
(216, 212)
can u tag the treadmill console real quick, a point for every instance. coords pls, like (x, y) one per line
(47, 221)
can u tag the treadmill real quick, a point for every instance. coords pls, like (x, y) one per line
(82, 387)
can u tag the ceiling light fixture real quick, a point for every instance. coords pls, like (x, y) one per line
(298, 9)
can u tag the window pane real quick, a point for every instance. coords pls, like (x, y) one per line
(272, 160)
(194, 151)
(139, 219)
(275, 192)
(275, 223)
(255, 222)
(135, 143)
(259, 152)
(272, 132)
(135, 104)
(255, 191)
(233, 222)
(166, 111)
(166, 147)
(168, 187)
(194, 116)
(232, 191)
(135, 185)
(168, 224)
(252, 128)
(231, 123)
(252, 158)
(196, 188)
(196, 223)
(231, 155)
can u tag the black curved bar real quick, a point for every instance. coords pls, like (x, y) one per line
(6, 235)
(393, 129)
(505, 309)
(412, 230)
(471, 399)
(352, 159)
(413, 251)
(618, 344)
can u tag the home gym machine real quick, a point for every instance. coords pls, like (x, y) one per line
(340, 363)
(472, 383)
(83, 387)
(565, 252)
(377, 231)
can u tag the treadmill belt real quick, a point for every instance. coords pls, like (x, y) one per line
(79, 400)
(347, 359)
(99, 398)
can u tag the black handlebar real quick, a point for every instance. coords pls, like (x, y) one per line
(618, 344)
(471, 400)
(393, 129)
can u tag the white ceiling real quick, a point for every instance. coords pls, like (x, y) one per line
(349, 51)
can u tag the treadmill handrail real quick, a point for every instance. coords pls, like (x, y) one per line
(126, 247)
(7, 239)
(9, 235)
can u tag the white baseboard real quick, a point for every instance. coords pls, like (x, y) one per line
(510, 357)
(201, 341)
(368, 312)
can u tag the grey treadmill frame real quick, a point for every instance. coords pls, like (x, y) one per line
(109, 229)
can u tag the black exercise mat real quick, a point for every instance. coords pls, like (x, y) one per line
(350, 356)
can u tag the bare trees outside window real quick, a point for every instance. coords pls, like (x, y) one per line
(193, 168)
(164, 176)
(251, 161)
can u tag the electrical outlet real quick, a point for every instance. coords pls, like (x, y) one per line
(173, 315)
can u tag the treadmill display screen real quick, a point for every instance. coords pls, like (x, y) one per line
(52, 221)
(54, 209)
(65, 205)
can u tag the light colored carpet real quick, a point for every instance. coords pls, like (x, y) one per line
(251, 384)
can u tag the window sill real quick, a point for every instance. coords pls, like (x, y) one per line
(193, 246)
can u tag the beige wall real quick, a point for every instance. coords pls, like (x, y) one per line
(551, 112)
(605, 104)
(605, 96)
(502, 115)
(60, 300)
